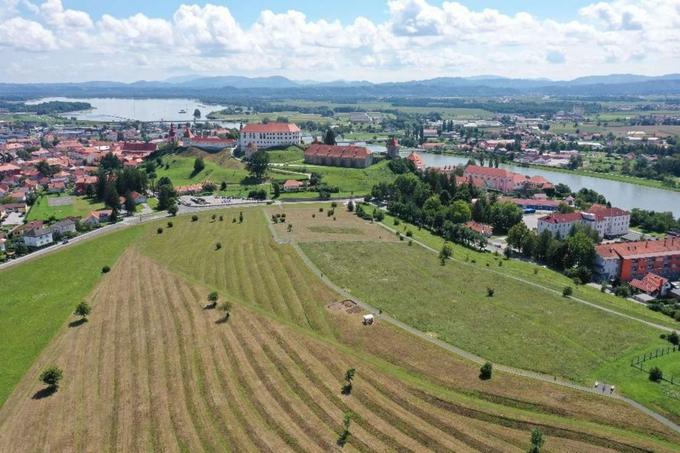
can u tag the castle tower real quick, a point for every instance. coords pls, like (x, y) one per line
(393, 148)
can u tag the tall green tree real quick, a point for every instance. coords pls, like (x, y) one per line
(258, 164)
(329, 137)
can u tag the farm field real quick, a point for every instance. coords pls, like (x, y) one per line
(37, 297)
(152, 370)
(169, 376)
(80, 207)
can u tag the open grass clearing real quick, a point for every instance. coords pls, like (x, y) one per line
(180, 170)
(79, 207)
(36, 298)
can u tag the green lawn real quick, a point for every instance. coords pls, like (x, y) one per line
(538, 274)
(291, 154)
(81, 207)
(360, 181)
(36, 299)
(180, 170)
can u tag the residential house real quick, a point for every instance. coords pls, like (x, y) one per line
(38, 237)
(63, 227)
(481, 228)
(138, 198)
(292, 185)
(652, 285)
(417, 160)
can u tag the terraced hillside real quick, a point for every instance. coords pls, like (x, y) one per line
(154, 371)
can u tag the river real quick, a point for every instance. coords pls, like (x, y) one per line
(124, 109)
(620, 194)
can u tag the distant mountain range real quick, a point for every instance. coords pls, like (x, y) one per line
(225, 87)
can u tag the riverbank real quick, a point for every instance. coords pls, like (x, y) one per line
(653, 183)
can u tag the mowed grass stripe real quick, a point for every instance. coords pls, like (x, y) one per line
(282, 391)
(160, 417)
(193, 374)
(309, 392)
(185, 376)
(391, 412)
(200, 335)
(277, 422)
(321, 376)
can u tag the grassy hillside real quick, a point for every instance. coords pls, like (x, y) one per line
(180, 170)
(36, 299)
(154, 371)
(80, 207)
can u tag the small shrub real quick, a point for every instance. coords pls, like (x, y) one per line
(535, 270)
(490, 292)
(233, 220)
(320, 209)
(396, 222)
(567, 291)
(194, 218)
(409, 233)
(170, 225)
(485, 371)
(213, 217)
(410, 243)
(334, 204)
(52, 376)
(218, 246)
(314, 216)
(674, 338)
(106, 269)
(83, 310)
(655, 374)
(221, 218)
(159, 230)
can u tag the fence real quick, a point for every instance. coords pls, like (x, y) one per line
(639, 361)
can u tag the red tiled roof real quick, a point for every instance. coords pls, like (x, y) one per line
(568, 217)
(416, 159)
(640, 249)
(650, 283)
(139, 146)
(344, 152)
(475, 170)
(481, 228)
(602, 212)
(271, 127)
(292, 184)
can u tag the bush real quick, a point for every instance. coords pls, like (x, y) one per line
(396, 222)
(52, 376)
(655, 374)
(159, 230)
(485, 371)
(221, 218)
(334, 204)
(218, 246)
(409, 233)
(567, 291)
(194, 218)
(170, 225)
(490, 292)
(379, 215)
(106, 269)
(674, 338)
(83, 309)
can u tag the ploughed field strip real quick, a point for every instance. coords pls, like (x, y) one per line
(152, 370)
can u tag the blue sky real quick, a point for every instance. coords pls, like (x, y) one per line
(343, 10)
(376, 40)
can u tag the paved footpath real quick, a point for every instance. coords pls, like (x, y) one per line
(465, 354)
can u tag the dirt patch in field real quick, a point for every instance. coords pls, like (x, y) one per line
(314, 224)
(345, 306)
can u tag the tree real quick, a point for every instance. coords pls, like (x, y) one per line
(567, 291)
(349, 376)
(674, 338)
(258, 164)
(516, 235)
(345, 434)
(490, 291)
(240, 217)
(445, 253)
(130, 205)
(329, 137)
(226, 309)
(197, 114)
(580, 251)
(537, 441)
(276, 189)
(166, 195)
(504, 216)
(485, 371)
(83, 310)
(52, 376)
(213, 297)
(172, 209)
(655, 374)
(199, 165)
(350, 206)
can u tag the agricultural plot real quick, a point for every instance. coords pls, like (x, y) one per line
(154, 370)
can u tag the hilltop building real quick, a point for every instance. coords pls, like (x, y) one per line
(269, 135)
(393, 148)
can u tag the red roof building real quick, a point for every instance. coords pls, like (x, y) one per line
(634, 260)
(269, 135)
(417, 160)
(338, 156)
(651, 284)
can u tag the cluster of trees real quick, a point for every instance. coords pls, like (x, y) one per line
(45, 108)
(659, 222)
(432, 200)
(574, 254)
(665, 167)
(114, 181)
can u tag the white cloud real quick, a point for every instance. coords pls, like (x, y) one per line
(26, 35)
(418, 39)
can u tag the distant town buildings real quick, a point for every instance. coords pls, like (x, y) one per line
(269, 135)
(502, 180)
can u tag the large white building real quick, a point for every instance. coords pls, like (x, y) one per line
(608, 222)
(38, 237)
(269, 135)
